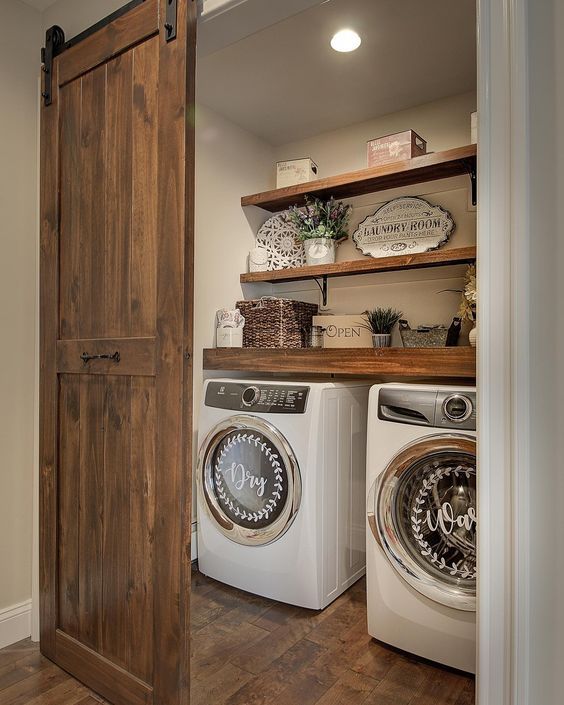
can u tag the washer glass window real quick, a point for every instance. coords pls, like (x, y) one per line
(435, 516)
(426, 518)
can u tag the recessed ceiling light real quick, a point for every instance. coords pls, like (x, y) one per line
(346, 40)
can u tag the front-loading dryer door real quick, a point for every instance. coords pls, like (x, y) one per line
(422, 511)
(249, 480)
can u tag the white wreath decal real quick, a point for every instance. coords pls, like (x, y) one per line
(276, 495)
(460, 567)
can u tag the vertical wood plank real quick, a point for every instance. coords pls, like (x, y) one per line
(92, 205)
(117, 457)
(141, 528)
(171, 678)
(69, 249)
(144, 203)
(119, 142)
(69, 474)
(187, 412)
(48, 391)
(91, 519)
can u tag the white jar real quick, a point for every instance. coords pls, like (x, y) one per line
(258, 260)
(229, 338)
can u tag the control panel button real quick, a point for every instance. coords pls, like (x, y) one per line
(457, 408)
(250, 396)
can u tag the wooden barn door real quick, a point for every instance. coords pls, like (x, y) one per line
(116, 335)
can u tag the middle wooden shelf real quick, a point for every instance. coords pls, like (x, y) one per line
(435, 258)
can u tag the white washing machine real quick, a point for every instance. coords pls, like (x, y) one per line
(421, 529)
(281, 487)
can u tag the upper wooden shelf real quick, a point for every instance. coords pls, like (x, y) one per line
(429, 167)
(435, 258)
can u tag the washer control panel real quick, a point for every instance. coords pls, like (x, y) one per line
(456, 410)
(259, 397)
(429, 407)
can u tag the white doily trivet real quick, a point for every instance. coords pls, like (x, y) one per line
(280, 239)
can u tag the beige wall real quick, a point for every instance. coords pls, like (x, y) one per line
(444, 124)
(74, 16)
(20, 32)
(229, 163)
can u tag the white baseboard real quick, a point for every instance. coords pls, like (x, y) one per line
(15, 623)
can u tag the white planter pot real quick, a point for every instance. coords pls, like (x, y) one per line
(381, 340)
(320, 250)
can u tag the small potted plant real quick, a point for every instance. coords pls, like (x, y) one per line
(321, 225)
(380, 322)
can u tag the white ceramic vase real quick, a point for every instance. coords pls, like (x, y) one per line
(319, 250)
(381, 340)
(472, 336)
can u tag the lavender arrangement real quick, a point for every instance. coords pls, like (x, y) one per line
(321, 219)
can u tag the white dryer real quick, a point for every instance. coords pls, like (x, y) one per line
(421, 529)
(281, 487)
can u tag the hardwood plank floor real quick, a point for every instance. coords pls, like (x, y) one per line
(247, 650)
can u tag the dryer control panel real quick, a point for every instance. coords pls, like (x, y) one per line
(258, 397)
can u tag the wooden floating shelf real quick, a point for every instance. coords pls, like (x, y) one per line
(429, 167)
(393, 363)
(436, 258)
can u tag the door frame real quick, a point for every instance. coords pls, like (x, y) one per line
(503, 362)
(503, 656)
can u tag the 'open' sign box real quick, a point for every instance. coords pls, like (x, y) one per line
(344, 331)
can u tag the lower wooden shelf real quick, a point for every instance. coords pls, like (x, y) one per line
(393, 363)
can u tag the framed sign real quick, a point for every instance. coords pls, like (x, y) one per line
(402, 226)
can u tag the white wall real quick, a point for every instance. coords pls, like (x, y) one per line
(20, 31)
(74, 16)
(229, 163)
(444, 124)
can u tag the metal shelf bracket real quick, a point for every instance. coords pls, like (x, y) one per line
(323, 288)
(471, 168)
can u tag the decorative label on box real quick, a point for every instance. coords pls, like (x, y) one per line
(394, 148)
(344, 331)
(295, 171)
(406, 225)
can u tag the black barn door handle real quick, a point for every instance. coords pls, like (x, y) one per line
(85, 357)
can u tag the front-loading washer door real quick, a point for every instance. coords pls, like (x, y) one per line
(422, 511)
(249, 480)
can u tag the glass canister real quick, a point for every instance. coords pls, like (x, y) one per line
(314, 337)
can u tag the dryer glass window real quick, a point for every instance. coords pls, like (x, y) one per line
(434, 514)
(250, 478)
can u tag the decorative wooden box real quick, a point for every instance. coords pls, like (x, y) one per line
(295, 171)
(394, 148)
(344, 331)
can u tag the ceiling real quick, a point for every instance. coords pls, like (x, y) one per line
(285, 83)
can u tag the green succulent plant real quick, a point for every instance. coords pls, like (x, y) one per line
(380, 321)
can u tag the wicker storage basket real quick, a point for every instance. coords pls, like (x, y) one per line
(276, 323)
